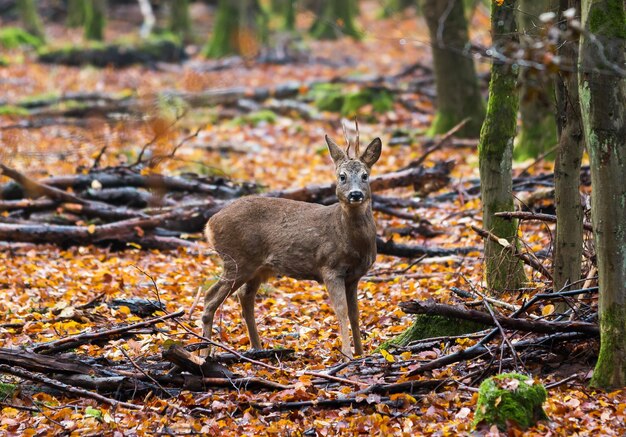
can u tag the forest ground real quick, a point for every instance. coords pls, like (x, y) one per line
(37, 280)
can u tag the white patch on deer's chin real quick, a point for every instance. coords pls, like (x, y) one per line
(352, 201)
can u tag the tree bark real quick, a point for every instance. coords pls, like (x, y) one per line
(30, 18)
(458, 94)
(95, 18)
(502, 269)
(240, 29)
(568, 244)
(179, 20)
(602, 88)
(76, 10)
(538, 132)
(336, 19)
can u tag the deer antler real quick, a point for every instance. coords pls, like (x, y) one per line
(357, 145)
(345, 135)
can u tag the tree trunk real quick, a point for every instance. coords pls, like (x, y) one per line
(240, 28)
(502, 270)
(335, 19)
(76, 13)
(179, 20)
(568, 243)
(286, 9)
(95, 18)
(538, 132)
(458, 94)
(602, 95)
(30, 18)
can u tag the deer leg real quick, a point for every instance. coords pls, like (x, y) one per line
(353, 315)
(337, 291)
(214, 297)
(246, 298)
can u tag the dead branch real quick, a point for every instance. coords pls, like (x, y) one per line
(74, 341)
(528, 215)
(457, 312)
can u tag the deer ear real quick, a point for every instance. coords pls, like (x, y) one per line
(336, 153)
(372, 153)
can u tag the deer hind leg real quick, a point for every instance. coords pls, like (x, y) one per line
(337, 292)
(246, 298)
(214, 298)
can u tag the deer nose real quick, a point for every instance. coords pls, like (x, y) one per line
(355, 196)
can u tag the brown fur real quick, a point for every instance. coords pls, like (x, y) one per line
(259, 237)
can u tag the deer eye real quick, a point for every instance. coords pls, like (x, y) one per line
(364, 177)
(342, 178)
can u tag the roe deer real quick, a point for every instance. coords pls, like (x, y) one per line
(259, 237)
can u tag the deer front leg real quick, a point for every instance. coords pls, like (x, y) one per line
(353, 314)
(337, 291)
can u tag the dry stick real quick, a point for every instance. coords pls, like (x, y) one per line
(497, 323)
(439, 144)
(336, 378)
(25, 374)
(511, 247)
(496, 302)
(86, 337)
(136, 366)
(527, 215)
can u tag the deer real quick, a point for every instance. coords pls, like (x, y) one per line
(260, 237)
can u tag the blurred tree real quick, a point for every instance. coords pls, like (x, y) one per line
(30, 18)
(179, 20)
(568, 242)
(286, 9)
(458, 94)
(335, 19)
(393, 7)
(76, 13)
(95, 19)
(602, 90)
(241, 27)
(538, 132)
(502, 269)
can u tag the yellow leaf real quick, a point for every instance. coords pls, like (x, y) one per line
(91, 228)
(387, 356)
(547, 310)
(135, 245)
(503, 242)
(497, 402)
(406, 355)
(124, 309)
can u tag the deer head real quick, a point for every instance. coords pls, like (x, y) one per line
(353, 187)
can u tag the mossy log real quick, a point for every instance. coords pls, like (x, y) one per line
(510, 398)
(117, 55)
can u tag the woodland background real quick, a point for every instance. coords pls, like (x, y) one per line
(120, 137)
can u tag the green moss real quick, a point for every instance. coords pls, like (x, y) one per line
(331, 97)
(510, 397)
(607, 18)
(14, 37)
(7, 391)
(610, 370)
(535, 137)
(255, 118)
(430, 326)
(13, 110)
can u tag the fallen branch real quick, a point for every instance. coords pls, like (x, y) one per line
(25, 374)
(528, 215)
(457, 312)
(74, 341)
(414, 251)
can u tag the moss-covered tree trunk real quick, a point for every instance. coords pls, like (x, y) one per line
(75, 13)
(30, 18)
(538, 132)
(95, 19)
(393, 7)
(335, 19)
(240, 28)
(458, 94)
(286, 12)
(568, 244)
(179, 21)
(602, 82)
(502, 270)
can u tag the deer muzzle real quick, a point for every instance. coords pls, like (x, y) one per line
(356, 197)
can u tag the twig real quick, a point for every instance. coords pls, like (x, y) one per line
(528, 215)
(335, 378)
(443, 140)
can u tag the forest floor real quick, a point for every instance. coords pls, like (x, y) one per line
(39, 282)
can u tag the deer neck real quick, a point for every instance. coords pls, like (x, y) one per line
(358, 222)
